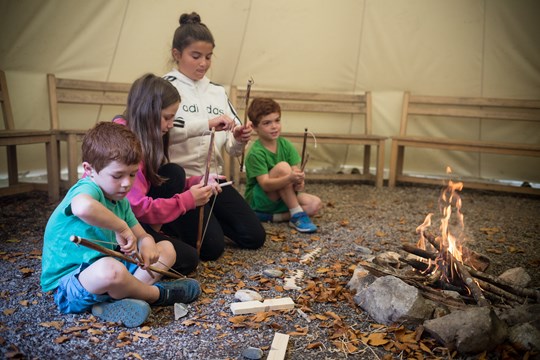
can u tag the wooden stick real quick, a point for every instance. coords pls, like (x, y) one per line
(248, 91)
(304, 148)
(469, 281)
(205, 182)
(89, 244)
(305, 162)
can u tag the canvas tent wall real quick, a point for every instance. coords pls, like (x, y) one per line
(460, 48)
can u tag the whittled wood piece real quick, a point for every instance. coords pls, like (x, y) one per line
(89, 244)
(278, 347)
(253, 307)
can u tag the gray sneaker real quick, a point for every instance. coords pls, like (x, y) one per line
(130, 312)
(177, 291)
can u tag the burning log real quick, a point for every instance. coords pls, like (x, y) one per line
(498, 288)
(470, 282)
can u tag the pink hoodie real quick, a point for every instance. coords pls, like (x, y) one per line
(157, 211)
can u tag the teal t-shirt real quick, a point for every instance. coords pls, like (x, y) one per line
(260, 161)
(61, 256)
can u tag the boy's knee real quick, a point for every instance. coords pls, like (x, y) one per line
(167, 253)
(280, 169)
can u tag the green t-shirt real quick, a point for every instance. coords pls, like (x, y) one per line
(260, 161)
(61, 256)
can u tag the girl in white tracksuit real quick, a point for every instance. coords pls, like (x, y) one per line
(204, 106)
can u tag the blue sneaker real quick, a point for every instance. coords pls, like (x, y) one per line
(130, 312)
(177, 291)
(264, 217)
(302, 223)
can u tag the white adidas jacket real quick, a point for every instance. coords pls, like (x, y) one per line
(190, 138)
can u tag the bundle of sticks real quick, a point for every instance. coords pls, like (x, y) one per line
(474, 286)
(441, 269)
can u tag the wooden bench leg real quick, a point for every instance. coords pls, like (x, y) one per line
(394, 160)
(53, 169)
(72, 159)
(367, 159)
(379, 176)
(12, 167)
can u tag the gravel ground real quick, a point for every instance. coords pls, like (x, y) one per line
(504, 227)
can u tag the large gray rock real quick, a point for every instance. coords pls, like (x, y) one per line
(524, 337)
(516, 276)
(389, 300)
(360, 279)
(526, 313)
(469, 331)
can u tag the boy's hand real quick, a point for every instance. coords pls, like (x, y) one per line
(127, 241)
(296, 177)
(221, 123)
(243, 133)
(201, 193)
(149, 251)
(300, 186)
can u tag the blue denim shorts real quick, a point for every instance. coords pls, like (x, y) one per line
(72, 298)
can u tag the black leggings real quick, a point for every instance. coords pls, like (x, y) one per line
(231, 216)
(186, 255)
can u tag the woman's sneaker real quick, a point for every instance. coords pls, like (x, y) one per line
(302, 223)
(177, 291)
(130, 312)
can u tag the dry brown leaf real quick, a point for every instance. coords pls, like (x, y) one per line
(8, 312)
(55, 324)
(61, 339)
(377, 339)
(132, 354)
(145, 336)
(95, 332)
(315, 345)
(237, 319)
(24, 302)
(380, 234)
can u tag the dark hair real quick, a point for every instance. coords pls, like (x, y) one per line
(149, 95)
(191, 29)
(260, 107)
(107, 142)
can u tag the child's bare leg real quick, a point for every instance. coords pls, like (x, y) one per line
(167, 257)
(287, 194)
(108, 275)
(310, 203)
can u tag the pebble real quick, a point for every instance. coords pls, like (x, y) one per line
(252, 353)
(273, 273)
(363, 250)
(180, 310)
(247, 295)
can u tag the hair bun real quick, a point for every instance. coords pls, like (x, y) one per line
(192, 18)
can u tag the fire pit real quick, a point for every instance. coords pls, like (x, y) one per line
(448, 274)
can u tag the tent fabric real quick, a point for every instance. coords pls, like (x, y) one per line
(484, 48)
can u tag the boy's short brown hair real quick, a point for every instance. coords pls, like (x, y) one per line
(107, 142)
(260, 107)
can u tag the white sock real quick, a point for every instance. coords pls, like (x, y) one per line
(296, 210)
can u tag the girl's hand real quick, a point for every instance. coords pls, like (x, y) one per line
(221, 123)
(243, 133)
(127, 241)
(213, 181)
(201, 193)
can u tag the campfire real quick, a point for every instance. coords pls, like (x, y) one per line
(443, 262)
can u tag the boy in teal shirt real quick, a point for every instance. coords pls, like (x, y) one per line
(96, 208)
(275, 183)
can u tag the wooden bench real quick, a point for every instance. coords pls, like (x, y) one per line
(433, 110)
(356, 109)
(11, 138)
(80, 92)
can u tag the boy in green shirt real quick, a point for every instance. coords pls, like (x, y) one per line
(96, 208)
(275, 183)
